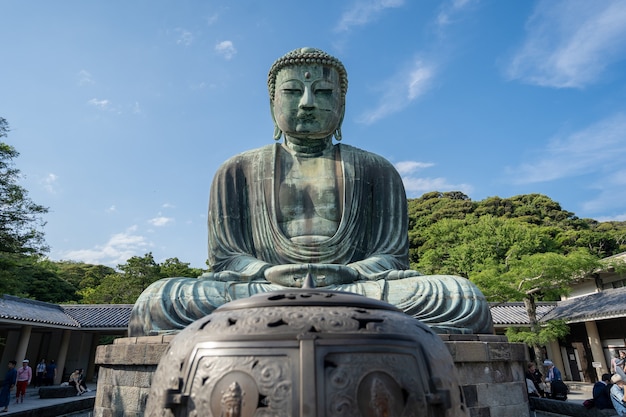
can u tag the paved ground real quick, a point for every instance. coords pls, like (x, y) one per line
(33, 402)
(578, 393)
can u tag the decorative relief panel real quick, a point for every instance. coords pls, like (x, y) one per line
(373, 385)
(238, 386)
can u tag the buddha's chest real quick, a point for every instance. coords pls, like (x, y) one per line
(309, 197)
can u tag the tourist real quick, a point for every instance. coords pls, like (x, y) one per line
(619, 362)
(40, 373)
(533, 374)
(10, 379)
(601, 393)
(558, 389)
(24, 376)
(51, 373)
(553, 372)
(74, 381)
(82, 378)
(618, 397)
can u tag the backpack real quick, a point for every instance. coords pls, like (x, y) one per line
(590, 403)
(558, 390)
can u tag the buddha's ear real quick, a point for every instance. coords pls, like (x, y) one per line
(277, 132)
(338, 130)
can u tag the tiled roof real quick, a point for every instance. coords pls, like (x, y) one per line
(511, 314)
(78, 316)
(99, 315)
(598, 306)
(22, 309)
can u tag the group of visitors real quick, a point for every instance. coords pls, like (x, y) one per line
(45, 373)
(553, 385)
(77, 380)
(18, 378)
(608, 393)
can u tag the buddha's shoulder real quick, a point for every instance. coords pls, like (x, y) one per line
(249, 156)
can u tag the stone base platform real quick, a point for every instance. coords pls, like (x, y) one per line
(491, 372)
(57, 391)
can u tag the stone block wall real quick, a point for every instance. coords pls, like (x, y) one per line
(125, 375)
(492, 373)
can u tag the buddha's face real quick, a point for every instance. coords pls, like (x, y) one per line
(307, 101)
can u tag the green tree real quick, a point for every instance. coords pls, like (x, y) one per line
(29, 277)
(134, 277)
(21, 219)
(79, 274)
(543, 275)
(513, 250)
(173, 267)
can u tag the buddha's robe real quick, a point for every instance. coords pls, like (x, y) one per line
(245, 237)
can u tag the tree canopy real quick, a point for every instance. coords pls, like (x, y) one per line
(133, 277)
(21, 221)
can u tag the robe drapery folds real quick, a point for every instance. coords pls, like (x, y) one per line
(245, 237)
(244, 234)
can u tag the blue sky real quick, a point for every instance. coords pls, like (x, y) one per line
(122, 111)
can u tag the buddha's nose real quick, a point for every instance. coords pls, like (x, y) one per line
(307, 101)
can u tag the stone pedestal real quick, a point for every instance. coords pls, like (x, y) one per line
(125, 374)
(491, 371)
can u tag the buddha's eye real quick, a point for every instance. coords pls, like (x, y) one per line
(324, 91)
(291, 88)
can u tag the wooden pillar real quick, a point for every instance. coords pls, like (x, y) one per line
(22, 345)
(65, 343)
(597, 355)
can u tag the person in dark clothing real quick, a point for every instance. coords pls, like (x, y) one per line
(51, 373)
(9, 382)
(601, 393)
(535, 376)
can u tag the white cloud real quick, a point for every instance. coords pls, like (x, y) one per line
(210, 20)
(112, 209)
(226, 49)
(160, 221)
(168, 205)
(49, 183)
(408, 167)
(419, 80)
(610, 195)
(85, 78)
(363, 12)
(599, 147)
(616, 218)
(101, 104)
(416, 186)
(449, 10)
(117, 250)
(570, 43)
(401, 89)
(184, 37)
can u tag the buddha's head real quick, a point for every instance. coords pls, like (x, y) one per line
(307, 90)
